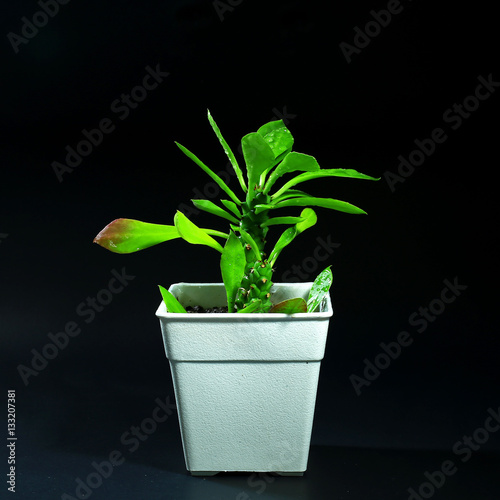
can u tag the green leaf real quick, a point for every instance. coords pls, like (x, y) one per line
(232, 264)
(291, 193)
(309, 219)
(193, 234)
(213, 232)
(280, 141)
(212, 208)
(332, 172)
(341, 206)
(319, 289)
(258, 157)
(173, 305)
(277, 136)
(252, 307)
(281, 220)
(233, 207)
(212, 174)
(261, 207)
(229, 153)
(290, 306)
(129, 235)
(292, 162)
(285, 239)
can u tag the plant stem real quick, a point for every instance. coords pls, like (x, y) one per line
(257, 280)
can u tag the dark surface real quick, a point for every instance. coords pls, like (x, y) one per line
(71, 435)
(262, 61)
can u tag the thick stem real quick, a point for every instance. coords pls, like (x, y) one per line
(256, 285)
(257, 280)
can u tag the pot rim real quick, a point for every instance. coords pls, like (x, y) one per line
(327, 311)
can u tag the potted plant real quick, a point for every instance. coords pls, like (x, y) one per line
(245, 379)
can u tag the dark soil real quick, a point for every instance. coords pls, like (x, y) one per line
(199, 309)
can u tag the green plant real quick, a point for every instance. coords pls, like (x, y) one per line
(246, 267)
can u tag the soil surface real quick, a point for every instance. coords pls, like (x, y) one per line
(199, 309)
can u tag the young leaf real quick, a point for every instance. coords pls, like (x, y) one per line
(233, 207)
(173, 305)
(232, 264)
(229, 153)
(341, 206)
(193, 234)
(319, 289)
(280, 141)
(290, 306)
(277, 136)
(212, 208)
(285, 239)
(292, 162)
(332, 172)
(258, 158)
(252, 307)
(212, 174)
(129, 235)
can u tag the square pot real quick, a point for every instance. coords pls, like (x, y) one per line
(245, 383)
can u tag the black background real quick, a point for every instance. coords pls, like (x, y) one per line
(251, 63)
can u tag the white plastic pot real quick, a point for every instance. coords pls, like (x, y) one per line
(245, 383)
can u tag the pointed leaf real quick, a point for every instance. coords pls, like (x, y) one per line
(233, 207)
(290, 306)
(277, 136)
(258, 158)
(193, 234)
(232, 264)
(212, 174)
(332, 172)
(129, 235)
(319, 289)
(212, 208)
(229, 153)
(173, 305)
(292, 162)
(341, 206)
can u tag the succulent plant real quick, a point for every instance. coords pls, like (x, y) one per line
(246, 266)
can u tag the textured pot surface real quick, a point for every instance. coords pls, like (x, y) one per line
(245, 384)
